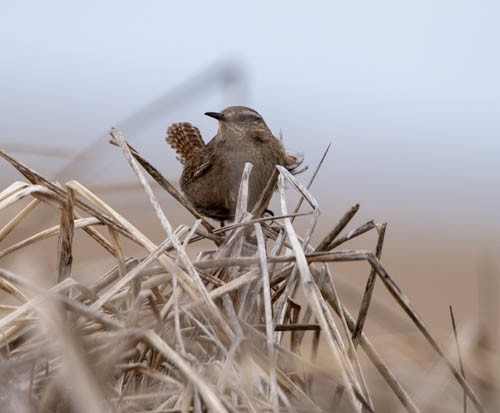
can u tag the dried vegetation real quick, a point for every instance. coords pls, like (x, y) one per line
(169, 332)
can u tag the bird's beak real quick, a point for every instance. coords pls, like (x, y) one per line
(216, 115)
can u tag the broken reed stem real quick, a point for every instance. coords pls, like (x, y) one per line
(266, 291)
(370, 285)
(352, 234)
(66, 231)
(459, 352)
(323, 245)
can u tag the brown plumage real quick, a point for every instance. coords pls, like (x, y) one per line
(212, 172)
(185, 139)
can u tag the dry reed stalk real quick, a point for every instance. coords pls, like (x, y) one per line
(168, 332)
(370, 285)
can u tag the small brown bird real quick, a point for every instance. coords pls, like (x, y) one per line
(212, 172)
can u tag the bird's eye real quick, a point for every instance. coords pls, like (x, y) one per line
(249, 117)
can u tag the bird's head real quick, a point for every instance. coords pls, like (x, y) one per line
(241, 121)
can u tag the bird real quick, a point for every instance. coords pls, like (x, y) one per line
(212, 171)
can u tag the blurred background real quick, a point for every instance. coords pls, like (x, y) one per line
(408, 93)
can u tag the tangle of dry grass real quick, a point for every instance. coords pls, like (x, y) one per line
(168, 332)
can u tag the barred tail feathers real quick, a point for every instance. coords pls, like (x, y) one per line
(185, 139)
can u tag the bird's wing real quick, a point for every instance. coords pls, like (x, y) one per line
(186, 140)
(199, 167)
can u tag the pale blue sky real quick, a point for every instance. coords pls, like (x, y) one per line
(407, 92)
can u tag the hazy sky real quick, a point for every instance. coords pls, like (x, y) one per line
(407, 92)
